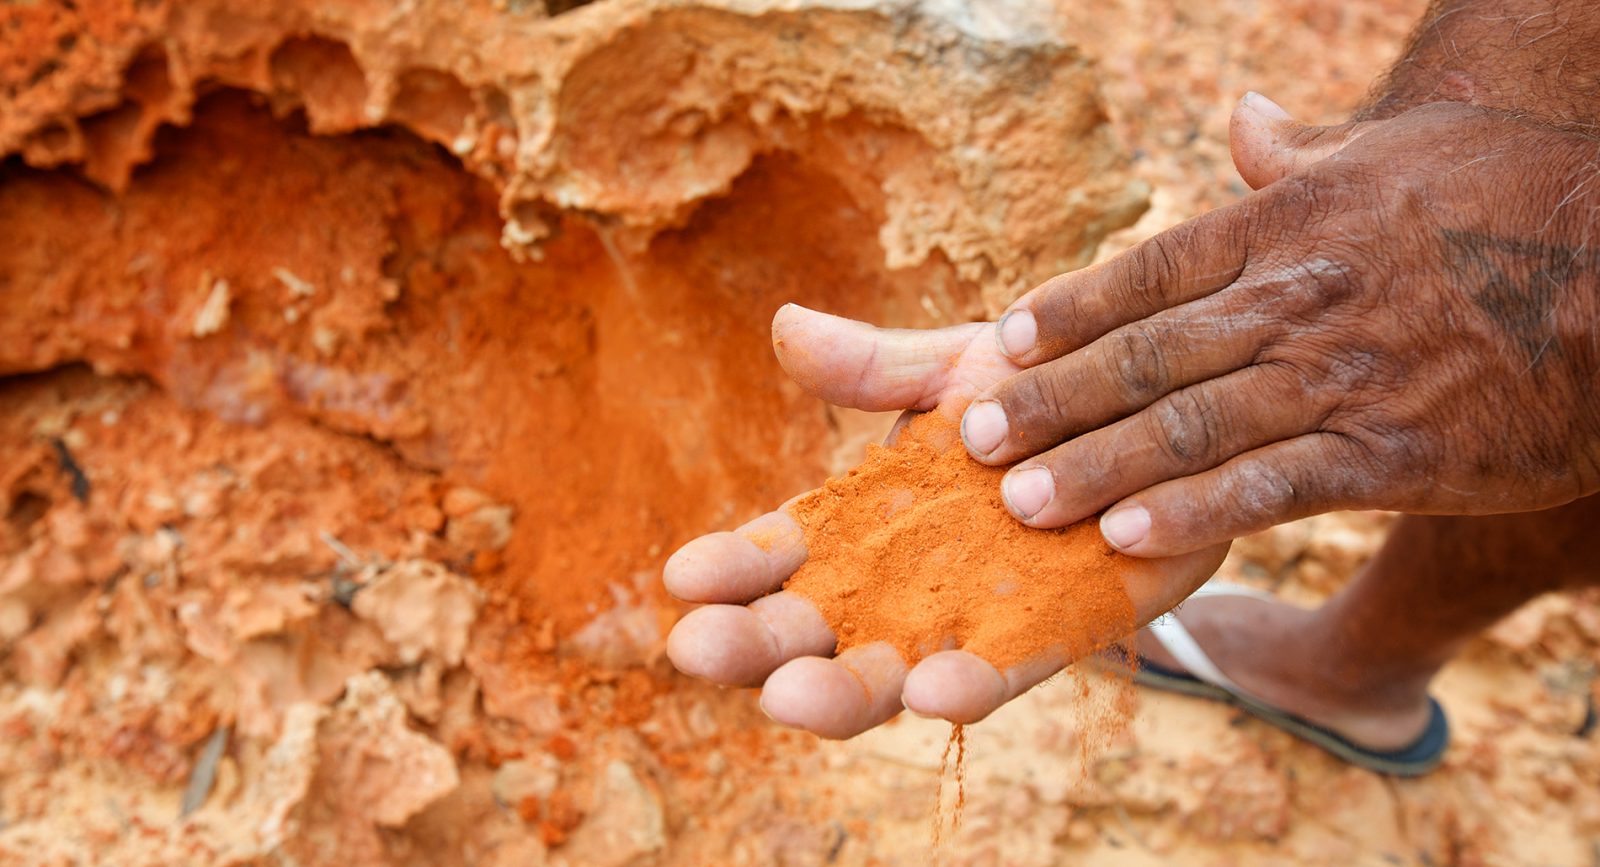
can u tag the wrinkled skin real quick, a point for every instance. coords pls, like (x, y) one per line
(1403, 317)
(752, 633)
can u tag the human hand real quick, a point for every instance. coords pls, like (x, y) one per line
(752, 633)
(1405, 317)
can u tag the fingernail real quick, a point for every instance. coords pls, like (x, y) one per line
(1018, 333)
(1265, 107)
(983, 427)
(1125, 527)
(761, 702)
(1027, 490)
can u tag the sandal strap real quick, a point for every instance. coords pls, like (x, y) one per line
(1175, 637)
(1177, 640)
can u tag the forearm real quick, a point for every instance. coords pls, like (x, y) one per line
(1535, 57)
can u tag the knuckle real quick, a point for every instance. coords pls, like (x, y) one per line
(1153, 266)
(1302, 295)
(1187, 427)
(1261, 494)
(1330, 379)
(1389, 441)
(1374, 461)
(1301, 387)
(1139, 364)
(1351, 367)
(1326, 282)
(1351, 461)
(1356, 374)
(1040, 400)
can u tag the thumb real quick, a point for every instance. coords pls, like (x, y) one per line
(1267, 144)
(850, 363)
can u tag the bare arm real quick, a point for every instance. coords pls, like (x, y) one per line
(1401, 318)
(1540, 58)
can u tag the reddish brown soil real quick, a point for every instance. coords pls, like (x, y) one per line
(616, 403)
(441, 390)
(914, 547)
(574, 389)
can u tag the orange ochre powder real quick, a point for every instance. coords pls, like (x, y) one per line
(915, 547)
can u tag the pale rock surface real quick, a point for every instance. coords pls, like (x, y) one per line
(356, 391)
(535, 776)
(630, 823)
(422, 609)
(265, 811)
(374, 765)
(635, 110)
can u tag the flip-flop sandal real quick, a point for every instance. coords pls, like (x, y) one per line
(1204, 680)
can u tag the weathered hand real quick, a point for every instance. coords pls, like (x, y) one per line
(1406, 316)
(753, 633)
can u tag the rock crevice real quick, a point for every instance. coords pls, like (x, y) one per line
(634, 111)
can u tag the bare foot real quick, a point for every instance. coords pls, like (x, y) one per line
(1273, 651)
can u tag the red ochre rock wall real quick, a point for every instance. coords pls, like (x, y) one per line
(362, 366)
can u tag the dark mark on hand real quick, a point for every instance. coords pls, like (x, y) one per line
(1521, 283)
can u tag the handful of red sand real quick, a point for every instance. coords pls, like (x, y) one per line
(915, 547)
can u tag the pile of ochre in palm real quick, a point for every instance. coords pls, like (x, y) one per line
(915, 547)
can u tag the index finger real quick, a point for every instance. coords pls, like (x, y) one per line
(1072, 310)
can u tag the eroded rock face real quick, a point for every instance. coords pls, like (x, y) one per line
(975, 126)
(318, 315)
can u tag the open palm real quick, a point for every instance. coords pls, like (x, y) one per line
(750, 632)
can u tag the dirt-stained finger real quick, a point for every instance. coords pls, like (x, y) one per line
(1274, 484)
(737, 566)
(736, 645)
(1072, 310)
(1187, 432)
(1114, 377)
(961, 687)
(840, 697)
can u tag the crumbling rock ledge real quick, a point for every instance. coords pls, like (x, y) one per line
(980, 126)
(329, 531)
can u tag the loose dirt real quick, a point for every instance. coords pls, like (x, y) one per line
(383, 374)
(952, 767)
(915, 547)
